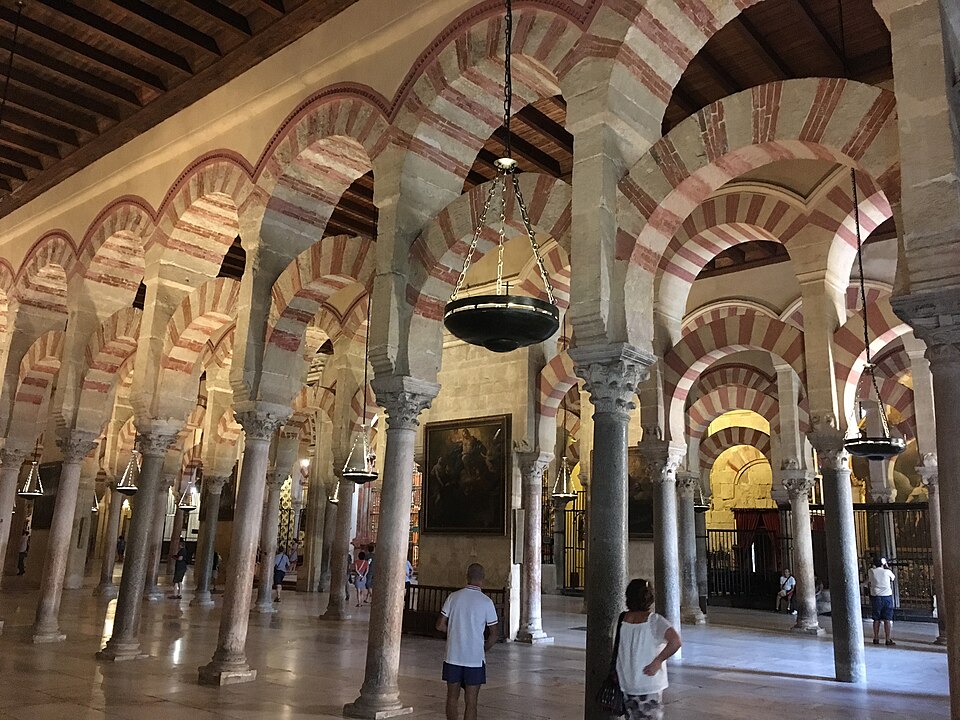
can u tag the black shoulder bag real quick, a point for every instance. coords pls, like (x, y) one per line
(610, 696)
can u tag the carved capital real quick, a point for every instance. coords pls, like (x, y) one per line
(943, 357)
(275, 479)
(261, 421)
(213, 484)
(403, 399)
(662, 460)
(687, 483)
(532, 464)
(611, 375)
(13, 457)
(798, 483)
(827, 440)
(155, 443)
(934, 315)
(76, 445)
(928, 470)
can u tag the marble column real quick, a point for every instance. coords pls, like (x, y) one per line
(330, 515)
(229, 664)
(403, 398)
(151, 582)
(125, 643)
(268, 540)
(46, 626)
(532, 465)
(83, 525)
(213, 491)
(611, 376)
(846, 615)
(687, 485)
(106, 588)
(176, 530)
(308, 576)
(662, 460)
(798, 482)
(12, 459)
(929, 476)
(339, 605)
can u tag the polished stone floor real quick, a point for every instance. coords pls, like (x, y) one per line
(742, 666)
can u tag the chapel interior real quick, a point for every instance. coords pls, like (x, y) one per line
(580, 290)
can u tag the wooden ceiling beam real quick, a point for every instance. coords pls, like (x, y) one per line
(117, 33)
(32, 124)
(12, 171)
(226, 16)
(69, 96)
(548, 127)
(19, 157)
(274, 7)
(72, 45)
(767, 54)
(822, 33)
(51, 110)
(685, 100)
(729, 83)
(29, 143)
(70, 71)
(168, 23)
(530, 152)
(339, 224)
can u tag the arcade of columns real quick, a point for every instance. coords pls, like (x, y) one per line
(626, 238)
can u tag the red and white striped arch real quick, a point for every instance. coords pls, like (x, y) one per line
(201, 216)
(7, 281)
(43, 276)
(557, 263)
(198, 317)
(723, 309)
(898, 399)
(438, 252)
(712, 405)
(38, 372)
(714, 445)
(849, 356)
(812, 118)
(109, 349)
(228, 429)
(455, 102)
(556, 379)
(738, 375)
(357, 410)
(697, 350)
(218, 350)
(112, 251)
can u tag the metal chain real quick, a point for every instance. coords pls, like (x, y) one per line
(476, 237)
(547, 286)
(503, 221)
(507, 77)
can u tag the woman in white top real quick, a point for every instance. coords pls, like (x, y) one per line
(646, 641)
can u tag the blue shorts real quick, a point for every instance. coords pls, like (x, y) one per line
(882, 607)
(464, 676)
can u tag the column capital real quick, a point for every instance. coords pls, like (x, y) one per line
(797, 482)
(532, 463)
(13, 456)
(934, 316)
(687, 482)
(404, 398)
(928, 470)
(76, 445)
(261, 420)
(611, 374)
(213, 484)
(943, 355)
(275, 479)
(827, 440)
(662, 459)
(154, 439)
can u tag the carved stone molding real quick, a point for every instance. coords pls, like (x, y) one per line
(827, 440)
(13, 457)
(261, 421)
(76, 445)
(688, 483)
(155, 443)
(532, 465)
(798, 484)
(611, 375)
(403, 399)
(662, 459)
(213, 484)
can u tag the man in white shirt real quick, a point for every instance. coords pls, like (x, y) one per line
(880, 579)
(787, 585)
(470, 622)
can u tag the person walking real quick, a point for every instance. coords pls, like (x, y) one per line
(880, 579)
(179, 570)
(469, 620)
(358, 573)
(121, 548)
(24, 549)
(644, 641)
(281, 566)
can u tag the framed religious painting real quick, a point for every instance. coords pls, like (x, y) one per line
(467, 468)
(639, 496)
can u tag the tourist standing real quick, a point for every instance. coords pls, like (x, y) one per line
(470, 622)
(121, 548)
(24, 549)
(644, 641)
(281, 566)
(358, 574)
(880, 579)
(179, 569)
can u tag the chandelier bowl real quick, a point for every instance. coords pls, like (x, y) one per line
(875, 448)
(501, 323)
(360, 476)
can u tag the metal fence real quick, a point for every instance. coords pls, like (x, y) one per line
(422, 605)
(575, 543)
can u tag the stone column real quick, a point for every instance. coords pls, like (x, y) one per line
(229, 664)
(268, 540)
(403, 398)
(331, 513)
(125, 642)
(611, 376)
(798, 482)
(176, 530)
(532, 466)
(213, 490)
(12, 459)
(846, 615)
(338, 604)
(687, 484)
(46, 626)
(80, 534)
(151, 582)
(929, 476)
(106, 588)
(663, 459)
(308, 577)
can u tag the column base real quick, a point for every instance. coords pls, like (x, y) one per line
(214, 674)
(202, 599)
(358, 709)
(41, 637)
(106, 591)
(121, 652)
(692, 616)
(336, 615)
(154, 595)
(941, 639)
(808, 630)
(533, 637)
(265, 608)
